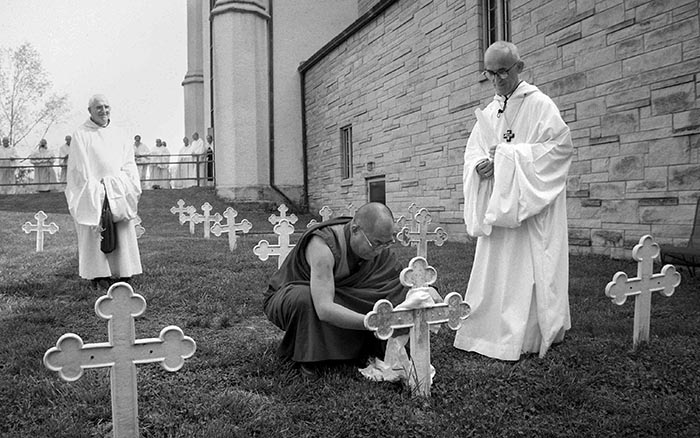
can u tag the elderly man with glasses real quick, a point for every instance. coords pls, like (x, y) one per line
(515, 169)
(330, 280)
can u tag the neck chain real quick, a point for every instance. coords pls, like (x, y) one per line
(509, 134)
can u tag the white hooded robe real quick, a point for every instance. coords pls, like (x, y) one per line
(518, 288)
(101, 153)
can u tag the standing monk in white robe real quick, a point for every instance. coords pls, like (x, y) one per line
(8, 158)
(101, 163)
(160, 166)
(515, 168)
(43, 161)
(63, 152)
(141, 153)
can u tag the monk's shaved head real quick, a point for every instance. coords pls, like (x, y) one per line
(376, 219)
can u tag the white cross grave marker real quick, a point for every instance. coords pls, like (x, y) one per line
(264, 250)
(231, 227)
(140, 230)
(384, 319)
(121, 353)
(274, 219)
(349, 210)
(643, 285)
(325, 212)
(420, 237)
(189, 216)
(409, 222)
(180, 210)
(40, 228)
(207, 218)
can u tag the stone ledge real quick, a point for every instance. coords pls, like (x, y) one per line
(591, 203)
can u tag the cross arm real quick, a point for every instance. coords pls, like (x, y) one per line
(70, 357)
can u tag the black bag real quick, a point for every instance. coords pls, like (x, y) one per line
(109, 229)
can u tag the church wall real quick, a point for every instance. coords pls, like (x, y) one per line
(623, 73)
(300, 28)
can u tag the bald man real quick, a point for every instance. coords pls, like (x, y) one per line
(8, 157)
(101, 164)
(515, 168)
(327, 284)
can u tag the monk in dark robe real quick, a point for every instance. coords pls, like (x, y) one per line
(330, 280)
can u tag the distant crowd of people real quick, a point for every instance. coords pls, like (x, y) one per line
(45, 169)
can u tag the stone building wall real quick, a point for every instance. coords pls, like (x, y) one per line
(623, 73)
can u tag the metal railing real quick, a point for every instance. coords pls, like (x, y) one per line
(17, 176)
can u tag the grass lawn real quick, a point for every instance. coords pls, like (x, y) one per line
(592, 385)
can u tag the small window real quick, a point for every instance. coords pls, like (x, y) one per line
(346, 152)
(376, 190)
(496, 21)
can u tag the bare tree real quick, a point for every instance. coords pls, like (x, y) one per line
(26, 103)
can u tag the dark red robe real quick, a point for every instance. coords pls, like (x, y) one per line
(288, 304)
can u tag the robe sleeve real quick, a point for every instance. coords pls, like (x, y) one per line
(124, 189)
(476, 191)
(528, 177)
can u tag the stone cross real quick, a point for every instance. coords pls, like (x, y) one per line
(384, 319)
(349, 210)
(420, 237)
(180, 210)
(121, 354)
(40, 228)
(231, 227)
(325, 212)
(264, 250)
(190, 215)
(409, 222)
(138, 227)
(643, 285)
(207, 218)
(274, 219)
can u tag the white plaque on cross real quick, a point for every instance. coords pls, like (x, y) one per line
(264, 250)
(643, 285)
(384, 319)
(231, 227)
(420, 236)
(206, 218)
(121, 354)
(40, 228)
(274, 219)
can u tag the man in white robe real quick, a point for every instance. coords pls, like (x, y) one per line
(101, 163)
(63, 152)
(8, 159)
(43, 161)
(160, 166)
(198, 152)
(515, 168)
(141, 152)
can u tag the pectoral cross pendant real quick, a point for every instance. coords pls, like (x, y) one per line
(509, 135)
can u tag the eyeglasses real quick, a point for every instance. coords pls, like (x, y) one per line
(377, 245)
(503, 74)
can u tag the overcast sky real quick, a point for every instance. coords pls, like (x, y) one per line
(133, 51)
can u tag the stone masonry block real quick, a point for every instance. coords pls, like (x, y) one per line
(625, 168)
(686, 120)
(669, 150)
(675, 214)
(607, 190)
(617, 123)
(673, 99)
(679, 31)
(619, 211)
(653, 60)
(685, 177)
(655, 179)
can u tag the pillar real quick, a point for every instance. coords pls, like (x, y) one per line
(193, 83)
(241, 99)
